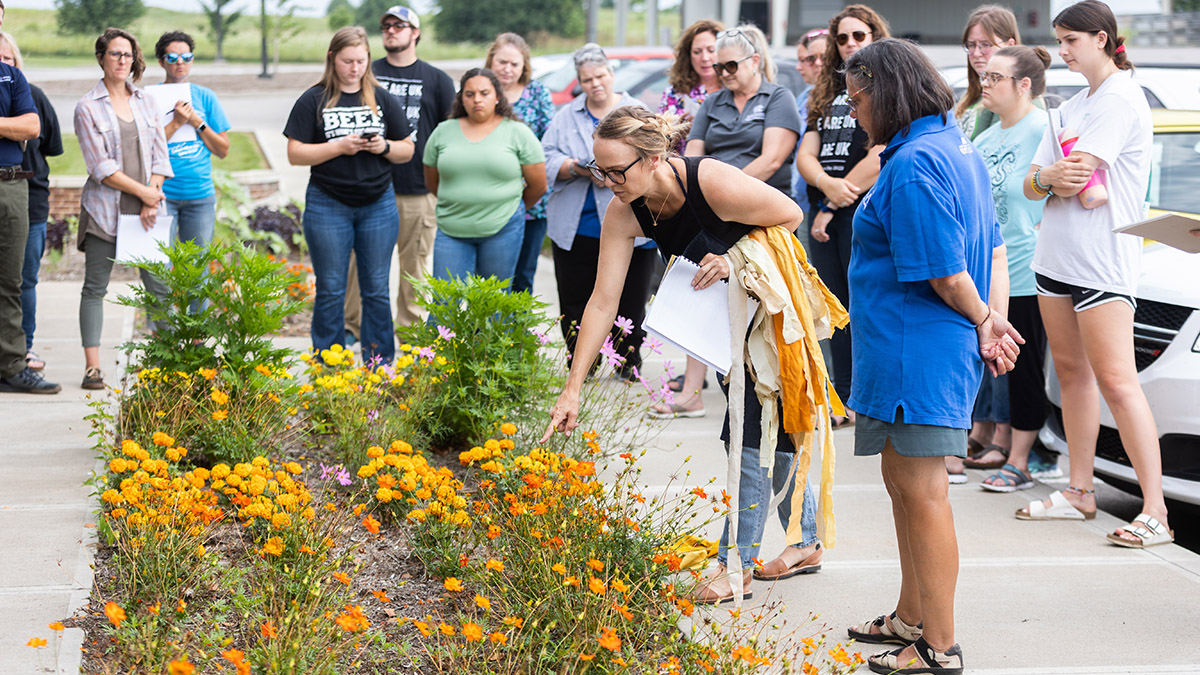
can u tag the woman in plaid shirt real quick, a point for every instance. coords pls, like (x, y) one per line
(125, 150)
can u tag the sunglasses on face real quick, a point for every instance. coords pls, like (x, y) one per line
(393, 26)
(731, 66)
(614, 176)
(172, 59)
(858, 35)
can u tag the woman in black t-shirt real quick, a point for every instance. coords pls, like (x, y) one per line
(350, 131)
(839, 167)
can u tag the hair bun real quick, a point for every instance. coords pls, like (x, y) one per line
(1043, 55)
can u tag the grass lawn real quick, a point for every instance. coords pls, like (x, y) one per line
(244, 154)
(43, 46)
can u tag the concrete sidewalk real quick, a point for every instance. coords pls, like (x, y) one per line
(47, 515)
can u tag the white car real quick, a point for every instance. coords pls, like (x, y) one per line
(1165, 86)
(1166, 329)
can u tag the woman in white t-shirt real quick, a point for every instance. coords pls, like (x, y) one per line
(1087, 275)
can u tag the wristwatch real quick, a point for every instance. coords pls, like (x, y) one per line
(200, 129)
(387, 147)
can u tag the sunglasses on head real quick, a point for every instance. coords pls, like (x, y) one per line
(173, 58)
(858, 35)
(731, 66)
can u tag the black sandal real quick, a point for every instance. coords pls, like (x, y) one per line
(949, 662)
(676, 383)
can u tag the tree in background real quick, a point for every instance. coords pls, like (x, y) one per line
(91, 17)
(220, 23)
(473, 21)
(369, 12)
(277, 22)
(340, 13)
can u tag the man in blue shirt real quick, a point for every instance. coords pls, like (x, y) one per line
(191, 198)
(18, 123)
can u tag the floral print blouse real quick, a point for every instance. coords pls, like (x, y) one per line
(535, 108)
(677, 104)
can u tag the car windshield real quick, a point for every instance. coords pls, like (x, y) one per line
(1175, 172)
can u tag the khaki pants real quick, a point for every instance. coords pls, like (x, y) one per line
(414, 248)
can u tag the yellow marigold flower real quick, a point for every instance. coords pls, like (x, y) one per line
(280, 521)
(508, 428)
(374, 451)
(292, 468)
(482, 602)
(274, 546)
(172, 454)
(494, 565)
(162, 440)
(117, 465)
(220, 414)
(453, 584)
(472, 632)
(242, 469)
(384, 495)
(130, 448)
(220, 471)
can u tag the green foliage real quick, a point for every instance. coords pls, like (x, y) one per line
(494, 348)
(91, 17)
(370, 12)
(472, 21)
(220, 22)
(221, 306)
(340, 13)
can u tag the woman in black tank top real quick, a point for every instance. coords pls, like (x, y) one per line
(698, 208)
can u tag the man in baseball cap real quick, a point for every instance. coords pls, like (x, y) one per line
(427, 95)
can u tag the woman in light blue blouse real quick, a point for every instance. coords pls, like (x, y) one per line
(508, 57)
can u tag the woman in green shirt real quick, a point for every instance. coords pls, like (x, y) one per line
(474, 164)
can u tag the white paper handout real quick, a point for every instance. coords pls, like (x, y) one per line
(695, 321)
(135, 242)
(1171, 229)
(164, 97)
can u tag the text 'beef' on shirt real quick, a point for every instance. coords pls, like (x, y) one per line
(342, 121)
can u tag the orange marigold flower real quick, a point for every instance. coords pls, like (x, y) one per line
(36, 642)
(453, 584)
(498, 638)
(274, 546)
(609, 640)
(114, 613)
(162, 440)
(371, 524)
(494, 565)
(595, 564)
(342, 577)
(57, 625)
(472, 632)
(508, 428)
(181, 667)
(596, 586)
(267, 630)
(482, 602)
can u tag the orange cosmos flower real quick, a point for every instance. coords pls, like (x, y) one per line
(494, 565)
(472, 632)
(498, 638)
(57, 625)
(267, 629)
(181, 667)
(114, 613)
(453, 584)
(596, 586)
(482, 602)
(609, 640)
(220, 414)
(342, 577)
(36, 642)
(371, 524)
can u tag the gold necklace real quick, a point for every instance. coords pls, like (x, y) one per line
(663, 205)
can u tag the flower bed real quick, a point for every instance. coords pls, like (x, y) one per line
(267, 513)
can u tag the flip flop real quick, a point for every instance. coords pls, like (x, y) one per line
(675, 384)
(808, 565)
(1148, 530)
(1015, 479)
(994, 464)
(676, 411)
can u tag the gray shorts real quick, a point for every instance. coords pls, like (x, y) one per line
(908, 440)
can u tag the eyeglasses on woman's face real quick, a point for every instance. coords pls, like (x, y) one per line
(812, 59)
(174, 58)
(981, 46)
(993, 79)
(858, 35)
(731, 66)
(120, 56)
(854, 99)
(614, 176)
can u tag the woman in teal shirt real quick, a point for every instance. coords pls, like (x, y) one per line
(474, 164)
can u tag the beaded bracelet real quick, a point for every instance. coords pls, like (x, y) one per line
(1037, 184)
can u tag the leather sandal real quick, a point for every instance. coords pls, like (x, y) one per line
(976, 463)
(892, 631)
(949, 662)
(778, 570)
(1059, 509)
(1148, 530)
(704, 595)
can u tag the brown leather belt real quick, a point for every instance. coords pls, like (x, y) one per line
(14, 173)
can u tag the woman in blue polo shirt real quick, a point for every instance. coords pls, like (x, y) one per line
(926, 248)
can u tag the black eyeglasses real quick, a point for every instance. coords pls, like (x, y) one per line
(173, 58)
(858, 35)
(393, 26)
(993, 79)
(616, 177)
(731, 66)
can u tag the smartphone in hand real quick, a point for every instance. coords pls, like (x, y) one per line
(369, 135)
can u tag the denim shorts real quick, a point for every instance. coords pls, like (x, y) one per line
(908, 440)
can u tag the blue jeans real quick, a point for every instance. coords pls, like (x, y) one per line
(752, 522)
(35, 246)
(194, 219)
(332, 229)
(991, 403)
(531, 249)
(494, 256)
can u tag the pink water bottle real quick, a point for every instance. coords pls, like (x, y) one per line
(1094, 193)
